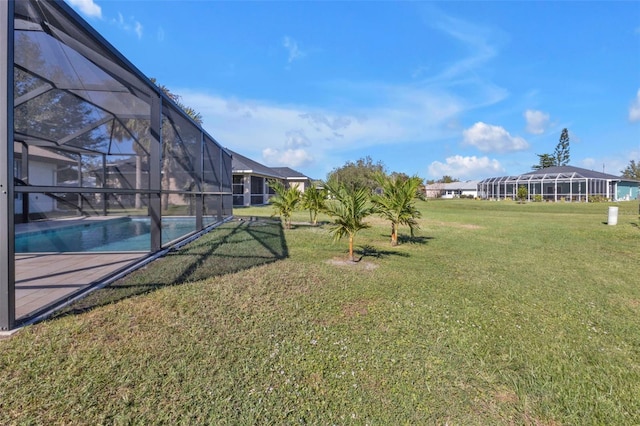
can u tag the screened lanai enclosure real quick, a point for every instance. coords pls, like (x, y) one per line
(100, 169)
(563, 183)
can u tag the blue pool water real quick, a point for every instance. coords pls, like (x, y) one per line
(121, 234)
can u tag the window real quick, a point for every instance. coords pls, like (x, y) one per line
(238, 190)
(17, 173)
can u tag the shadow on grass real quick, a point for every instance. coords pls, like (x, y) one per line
(232, 247)
(620, 223)
(404, 239)
(318, 224)
(408, 239)
(370, 251)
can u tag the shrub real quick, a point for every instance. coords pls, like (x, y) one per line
(522, 194)
(598, 199)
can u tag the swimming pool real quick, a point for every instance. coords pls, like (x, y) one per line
(118, 234)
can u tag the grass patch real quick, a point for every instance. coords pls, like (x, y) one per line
(496, 313)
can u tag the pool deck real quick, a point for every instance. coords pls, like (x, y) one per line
(45, 278)
(42, 279)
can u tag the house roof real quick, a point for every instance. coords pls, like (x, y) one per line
(568, 170)
(289, 173)
(242, 164)
(245, 165)
(561, 173)
(43, 154)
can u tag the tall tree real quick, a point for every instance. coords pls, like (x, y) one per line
(139, 129)
(561, 154)
(545, 160)
(632, 171)
(285, 202)
(192, 113)
(361, 174)
(174, 151)
(396, 203)
(349, 207)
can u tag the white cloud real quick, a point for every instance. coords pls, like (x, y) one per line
(482, 42)
(488, 138)
(422, 112)
(296, 139)
(460, 167)
(380, 114)
(87, 7)
(464, 74)
(634, 110)
(292, 47)
(537, 121)
(318, 120)
(288, 157)
(129, 25)
(92, 9)
(312, 134)
(137, 28)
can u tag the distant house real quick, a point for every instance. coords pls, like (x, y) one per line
(293, 178)
(43, 169)
(452, 189)
(251, 180)
(566, 183)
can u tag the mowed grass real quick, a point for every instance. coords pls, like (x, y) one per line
(495, 313)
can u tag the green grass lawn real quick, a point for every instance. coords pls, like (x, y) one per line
(496, 313)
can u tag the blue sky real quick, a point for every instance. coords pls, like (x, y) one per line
(466, 89)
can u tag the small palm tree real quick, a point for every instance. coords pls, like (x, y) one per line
(396, 203)
(285, 202)
(522, 194)
(349, 207)
(313, 200)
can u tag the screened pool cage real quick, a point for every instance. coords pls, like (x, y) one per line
(565, 183)
(87, 138)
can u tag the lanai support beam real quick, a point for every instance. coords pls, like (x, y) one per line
(7, 208)
(199, 166)
(155, 207)
(571, 187)
(586, 184)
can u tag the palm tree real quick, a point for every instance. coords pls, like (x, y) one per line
(396, 203)
(138, 130)
(349, 207)
(313, 200)
(285, 202)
